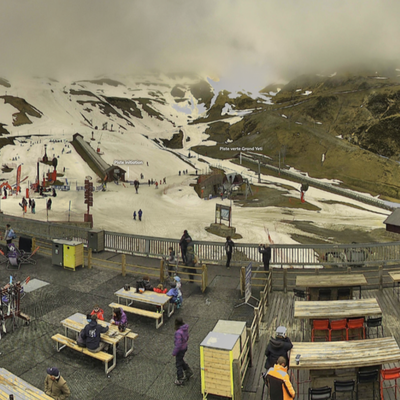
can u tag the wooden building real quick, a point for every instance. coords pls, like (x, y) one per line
(105, 171)
(393, 221)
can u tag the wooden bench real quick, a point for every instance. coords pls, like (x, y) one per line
(144, 313)
(101, 355)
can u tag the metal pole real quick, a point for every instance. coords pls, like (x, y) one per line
(279, 163)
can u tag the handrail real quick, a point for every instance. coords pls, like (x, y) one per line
(282, 255)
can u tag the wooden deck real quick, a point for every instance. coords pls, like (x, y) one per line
(280, 313)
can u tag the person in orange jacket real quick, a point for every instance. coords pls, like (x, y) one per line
(278, 381)
(98, 311)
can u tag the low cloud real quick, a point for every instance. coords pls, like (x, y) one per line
(250, 42)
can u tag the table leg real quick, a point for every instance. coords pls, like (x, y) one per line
(171, 306)
(298, 384)
(126, 350)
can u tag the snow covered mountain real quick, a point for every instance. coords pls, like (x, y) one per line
(148, 125)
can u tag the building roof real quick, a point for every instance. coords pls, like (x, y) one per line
(393, 218)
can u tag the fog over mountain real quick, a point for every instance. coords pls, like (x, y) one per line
(248, 43)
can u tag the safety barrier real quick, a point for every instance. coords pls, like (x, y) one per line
(282, 255)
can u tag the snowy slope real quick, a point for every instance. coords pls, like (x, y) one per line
(66, 109)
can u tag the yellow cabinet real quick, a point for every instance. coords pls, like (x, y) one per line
(217, 352)
(73, 254)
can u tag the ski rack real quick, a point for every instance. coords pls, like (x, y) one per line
(10, 304)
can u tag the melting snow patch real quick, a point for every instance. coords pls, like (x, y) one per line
(34, 284)
(307, 92)
(284, 116)
(339, 137)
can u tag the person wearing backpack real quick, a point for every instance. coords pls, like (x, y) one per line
(229, 245)
(190, 262)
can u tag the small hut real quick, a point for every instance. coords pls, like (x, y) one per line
(393, 221)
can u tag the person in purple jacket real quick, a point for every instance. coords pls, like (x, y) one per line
(119, 319)
(180, 347)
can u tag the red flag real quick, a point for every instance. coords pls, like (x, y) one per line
(18, 178)
(54, 177)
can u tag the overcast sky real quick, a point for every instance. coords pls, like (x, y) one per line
(250, 42)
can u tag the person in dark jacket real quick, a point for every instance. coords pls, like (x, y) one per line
(278, 347)
(183, 243)
(181, 339)
(229, 245)
(190, 262)
(140, 213)
(91, 334)
(265, 250)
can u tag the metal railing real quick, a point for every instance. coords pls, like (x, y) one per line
(282, 255)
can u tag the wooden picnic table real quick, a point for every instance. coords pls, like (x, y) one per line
(12, 384)
(333, 281)
(395, 275)
(113, 336)
(344, 354)
(327, 361)
(147, 297)
(336, 309)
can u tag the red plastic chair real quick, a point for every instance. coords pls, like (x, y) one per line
(356, 323)
(388, 375)
(321, 325)
(339, 325)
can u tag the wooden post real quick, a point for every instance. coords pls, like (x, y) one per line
(237, 381)
(123, 264)
(203, 278)
(162, 270)
(380, 277)
(257, 325)
(348, 270)
(242, 280)
(250, 338)
(285, 281)
(89, 259)
(33, 244)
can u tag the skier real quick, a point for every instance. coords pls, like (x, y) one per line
(134, 215)
(49, 204)
(140, 212)
(156, 185)
(148, 182)
(33, 209)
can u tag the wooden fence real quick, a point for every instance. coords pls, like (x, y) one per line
(201, 278)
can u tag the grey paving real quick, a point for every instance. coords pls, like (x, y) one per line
(149, 372)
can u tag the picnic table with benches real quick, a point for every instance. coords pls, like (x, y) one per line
(315, 283)
(113, 336)
(12, 384)
(147, 297)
